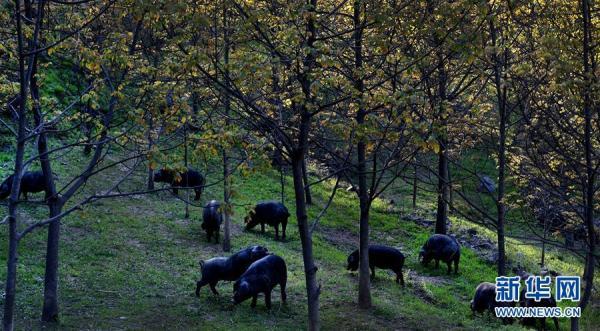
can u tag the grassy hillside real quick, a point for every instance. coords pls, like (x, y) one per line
(132, 263)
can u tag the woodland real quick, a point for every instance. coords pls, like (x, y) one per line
(372, 121)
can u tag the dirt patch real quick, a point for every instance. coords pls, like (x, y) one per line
(421, 284)
(183, 221)
(435, 280)
(25, 217)
(343, 239)
(422, 221)
(134, 243)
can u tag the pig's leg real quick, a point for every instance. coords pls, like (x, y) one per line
(400, 277)
(254, 301)
(268, 299)
(217, 235)
(277, 232)
(456, 265)
(213, 288)
(175, 191)
(262, 227)
(199, 285)
(198, 193)
(437, 263)
(372, 272)
(283, 226)
(283, 294)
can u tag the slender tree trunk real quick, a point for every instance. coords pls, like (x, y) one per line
(450, 191)
(282, 181)
(226, 208)
(443, 195)
(150, 179)
(443, 192)
(589, 186)
(310, 270)
(543, 258)
(364, 282)
(11, 262)
(502, 118)
(50, 308)
(306, 183)
(278, 154)
(11, 266)
(443, 170)
(414, 185)
(87, 131)
(185, 161)
(298, 154)
(227, 106)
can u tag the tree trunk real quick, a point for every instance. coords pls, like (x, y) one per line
(306, 184)
(11, 261)
(310, 270)
(50, 308)
(502, 118)
(589, 185)
(364, 281)
(450, 191)
(226, 208)
(185, 161)
(298, 154)
(150, 179)
(227, 105)
(11, 270)
(414, 185)
(443, 196)
(282, 182)
(87, 131)
(443, 192)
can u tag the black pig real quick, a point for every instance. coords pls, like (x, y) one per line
(228, 268)
(189, 178)
(545, 302)
(485, 300)
(32, 181)
(441, 247)
(261, 277)
(270, 212)
(382, 257)
(211, 220)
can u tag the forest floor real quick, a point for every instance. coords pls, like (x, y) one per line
(132, 263)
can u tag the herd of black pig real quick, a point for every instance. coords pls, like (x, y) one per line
(256, 271)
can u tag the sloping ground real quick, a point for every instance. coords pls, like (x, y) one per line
(132, 263)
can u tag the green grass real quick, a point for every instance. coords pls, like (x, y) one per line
(132, 263)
